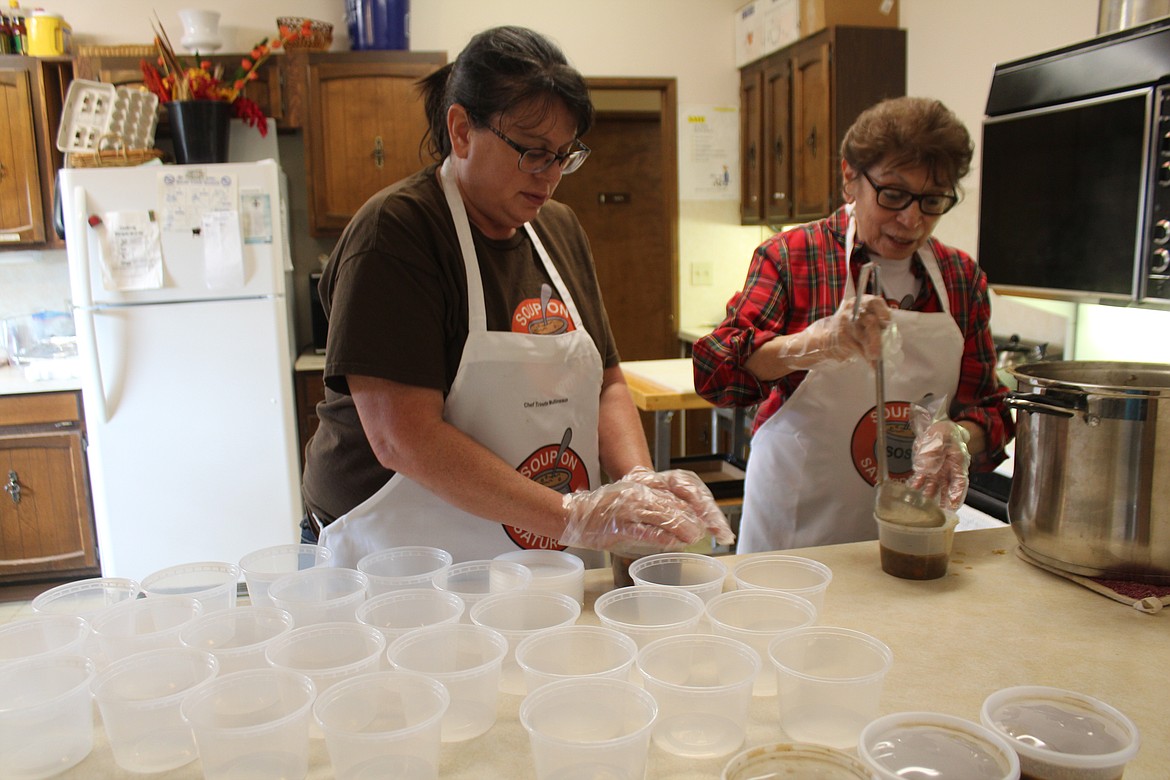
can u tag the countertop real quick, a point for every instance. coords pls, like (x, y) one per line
(14, 381)
(994, 621)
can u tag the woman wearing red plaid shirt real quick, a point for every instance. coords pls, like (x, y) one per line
(789, 343)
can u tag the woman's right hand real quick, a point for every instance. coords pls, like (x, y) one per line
(629, 518)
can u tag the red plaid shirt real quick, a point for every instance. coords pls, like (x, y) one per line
(798, 277)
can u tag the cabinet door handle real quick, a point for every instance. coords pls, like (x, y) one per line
(778, 149)
(3, 171)
(379, 151)
(811, 141)
(13, 487)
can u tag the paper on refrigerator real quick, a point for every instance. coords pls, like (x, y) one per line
(131, 253)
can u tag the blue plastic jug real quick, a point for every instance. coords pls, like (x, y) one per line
(378, 24)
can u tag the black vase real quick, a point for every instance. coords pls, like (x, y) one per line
(199, 129)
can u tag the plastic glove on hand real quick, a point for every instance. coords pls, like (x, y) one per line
(687, 485)
(839, 337)
(940, 457)
(629, 519)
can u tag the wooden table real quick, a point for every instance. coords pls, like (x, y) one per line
(668, 386)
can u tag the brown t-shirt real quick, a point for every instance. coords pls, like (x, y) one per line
(395, 294)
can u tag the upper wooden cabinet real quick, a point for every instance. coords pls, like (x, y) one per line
(364, 123)
(795, 107)
(32, 93)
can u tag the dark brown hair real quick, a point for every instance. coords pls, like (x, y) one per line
(910, 131)
(500, 69)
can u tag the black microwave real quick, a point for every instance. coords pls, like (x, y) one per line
(320, 325)
(1075, 172)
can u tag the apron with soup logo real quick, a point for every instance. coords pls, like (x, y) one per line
(812, 470)
(530, 399)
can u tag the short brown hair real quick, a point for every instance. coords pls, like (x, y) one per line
(910, 131)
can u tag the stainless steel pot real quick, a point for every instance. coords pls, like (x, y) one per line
(1091, 488)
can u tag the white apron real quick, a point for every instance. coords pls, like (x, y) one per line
(811, 475)
(525, 397)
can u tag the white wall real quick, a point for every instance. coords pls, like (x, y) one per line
(953, 48)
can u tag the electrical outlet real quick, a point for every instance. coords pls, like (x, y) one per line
(701, 274)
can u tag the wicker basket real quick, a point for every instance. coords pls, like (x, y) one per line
(116, 157)
(320, 33)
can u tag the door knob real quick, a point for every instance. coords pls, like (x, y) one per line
(379, 151)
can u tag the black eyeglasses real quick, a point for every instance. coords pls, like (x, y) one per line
(534, 160)
(896, 199)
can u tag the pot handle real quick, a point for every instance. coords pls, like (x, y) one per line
(1036, 404)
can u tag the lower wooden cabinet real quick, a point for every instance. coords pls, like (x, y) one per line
(310, 390)
(46, 517)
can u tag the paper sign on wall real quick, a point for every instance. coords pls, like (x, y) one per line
(223, 249)
(709, 146)
(131, 254)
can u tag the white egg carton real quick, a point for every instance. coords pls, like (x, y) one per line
(94, 110)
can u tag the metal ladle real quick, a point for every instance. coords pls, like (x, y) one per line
(894, 502)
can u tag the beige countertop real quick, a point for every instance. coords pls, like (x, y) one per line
(15, 381)
(994, 621)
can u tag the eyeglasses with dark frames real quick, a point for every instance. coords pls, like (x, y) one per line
(536, 160)
(896, 199)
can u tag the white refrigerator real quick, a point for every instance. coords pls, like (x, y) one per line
(179, 281)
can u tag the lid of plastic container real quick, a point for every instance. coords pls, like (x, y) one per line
(930, 744)
(1060, 727)
(795, 760)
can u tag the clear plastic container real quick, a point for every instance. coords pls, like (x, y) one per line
(702, 575)
(756, 617)
(139, 698)
(703, 686)
(86, 598)
(916, 552)
(554, 570)
(589, 727)
(466, 659)
(1062, 735)
(573, 652)
(931, 744)
(400, 611)
(398, 568)
(473, 580)
(252, 724)
(795, 760)
(519, 615)
(383, 725)
(648, 612)
(46, 715)
(789, 573)
(328, 653)
(828, 683)
(144, 624)
(213, 583)
(264, 566)
(237, 637)
(322, 594)
(42, 635)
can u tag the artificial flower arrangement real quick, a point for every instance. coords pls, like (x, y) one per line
(172, 80)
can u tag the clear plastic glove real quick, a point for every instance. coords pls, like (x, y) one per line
(687, 486)
(940, 457)
(838, 338)
(629, 519)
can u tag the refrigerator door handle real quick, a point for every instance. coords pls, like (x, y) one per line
(83, 312)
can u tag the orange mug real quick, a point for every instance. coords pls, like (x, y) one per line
(49, 35)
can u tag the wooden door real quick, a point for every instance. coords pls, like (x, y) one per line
(778, 132)
(626, 196)
(811, 97)
(751, 141)
(21, 215)
(362, 133)
(45, 523)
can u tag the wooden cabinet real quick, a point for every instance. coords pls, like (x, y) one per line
(795, 107)
(310, 391)
(46, 519)
(32, 93)
(363, 127)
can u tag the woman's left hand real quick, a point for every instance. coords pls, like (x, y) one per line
(941, 462)
(687, 486)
